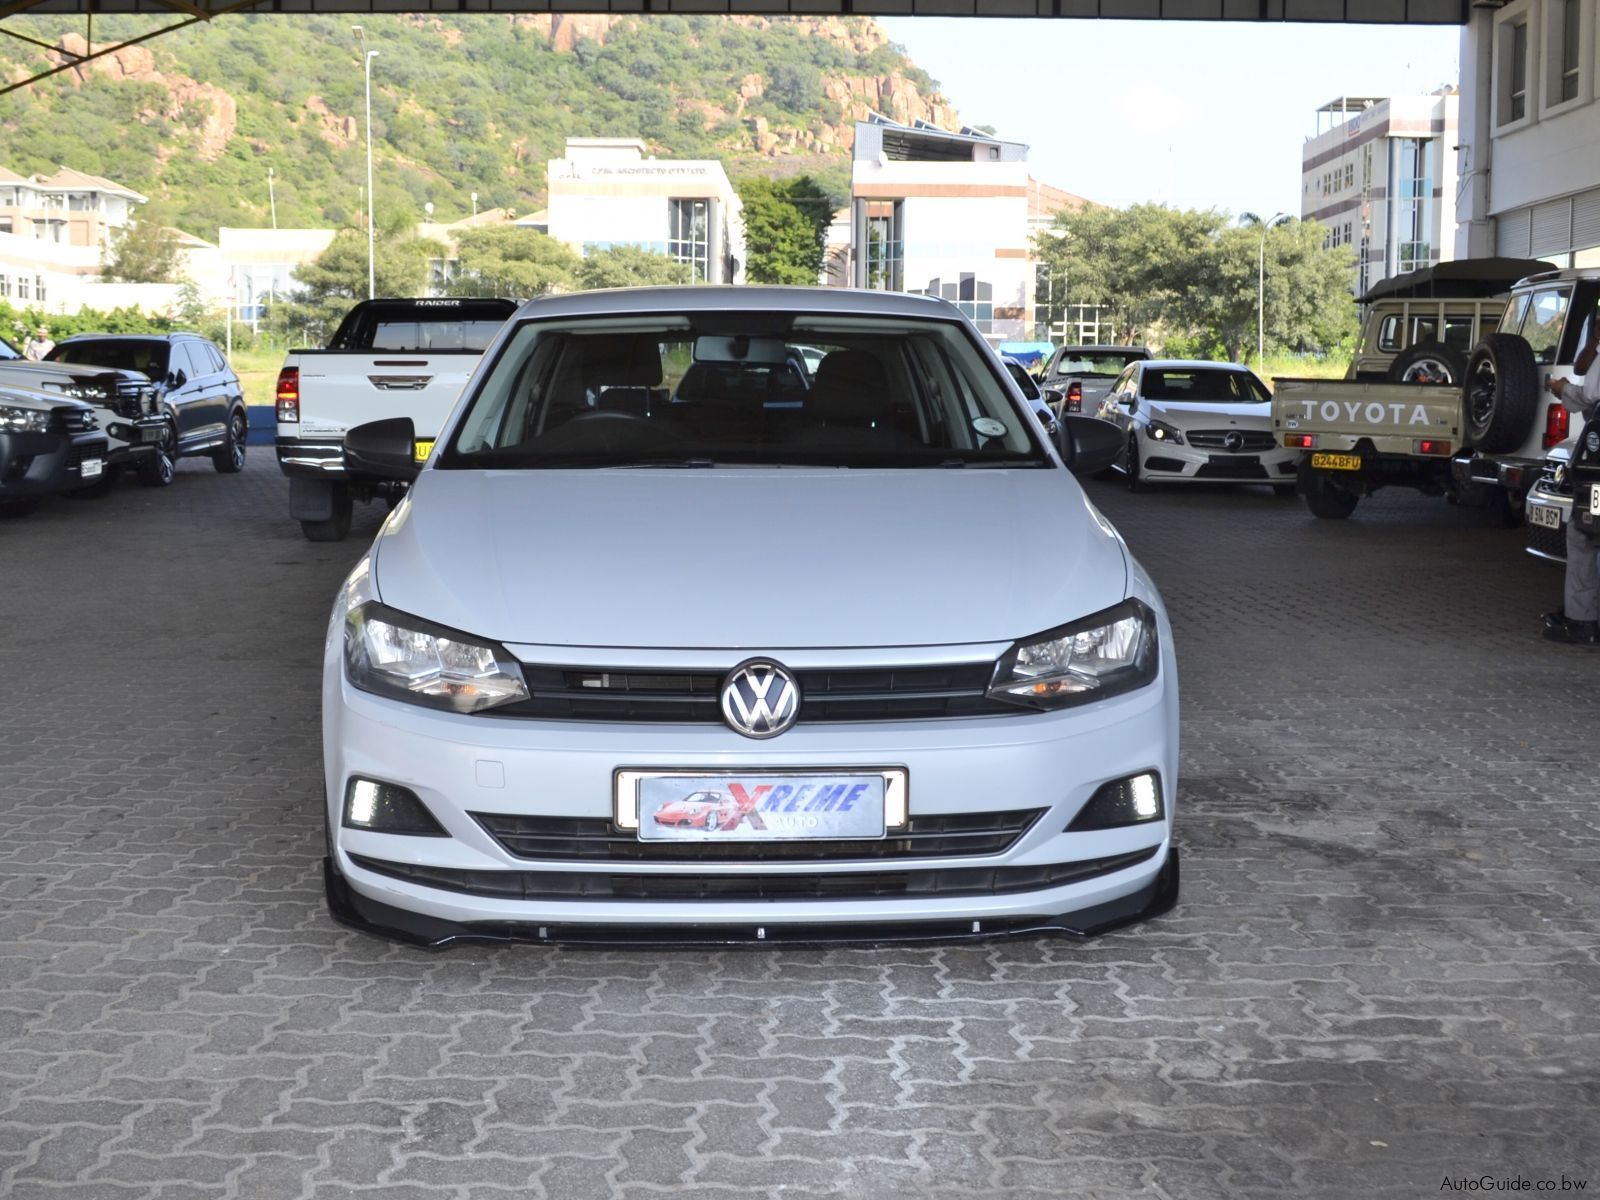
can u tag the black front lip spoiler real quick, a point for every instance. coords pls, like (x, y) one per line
(350, 908)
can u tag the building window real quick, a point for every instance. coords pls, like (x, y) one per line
(38, 288)
(1349, 175)
(1514, 72)
(971, 295)
(5, 287)
(886, 246)
(688, 222)
(1414, 209)
(1570, 47)
(22, 288)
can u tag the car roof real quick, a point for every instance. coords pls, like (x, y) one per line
(1088, 349)
(127, 337)
(752, 298)
(1191, 364)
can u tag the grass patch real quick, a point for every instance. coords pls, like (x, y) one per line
(1300, 366)
(258, 372)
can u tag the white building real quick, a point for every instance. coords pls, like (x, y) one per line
(951, 215)
(606, 192)
(1530, 132)
(1376, 173)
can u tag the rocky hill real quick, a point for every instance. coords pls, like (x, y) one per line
(472, 104)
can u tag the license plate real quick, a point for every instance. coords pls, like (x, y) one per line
(1539, 514)
(422, 448)
(708, 806)
(1336, 462)
(90, 468)
(150, 435)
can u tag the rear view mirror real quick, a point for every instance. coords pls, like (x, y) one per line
(1088, 445)
(761, 351)
(383, 450)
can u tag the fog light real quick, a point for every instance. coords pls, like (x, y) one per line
(387, 808)
(1131, 801)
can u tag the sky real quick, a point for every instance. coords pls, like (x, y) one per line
(1186, 113)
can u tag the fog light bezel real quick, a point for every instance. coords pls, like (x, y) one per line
(395, 794)
(1105, 809)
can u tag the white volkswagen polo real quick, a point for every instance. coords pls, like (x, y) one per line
(684, 633)
(1187, 421)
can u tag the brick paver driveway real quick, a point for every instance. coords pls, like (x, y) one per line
(1382, 976)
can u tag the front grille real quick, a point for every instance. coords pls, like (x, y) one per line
(872, 694)
(1231, 466)
(847, 885)
(132, 398)
(579, 839)
(1552, 543)
(1217, 439)
(82, 450)
(73, 420)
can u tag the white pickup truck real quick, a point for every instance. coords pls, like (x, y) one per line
(1480, 438)
(388, 358)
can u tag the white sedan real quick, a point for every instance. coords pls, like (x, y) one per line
(1197, 421)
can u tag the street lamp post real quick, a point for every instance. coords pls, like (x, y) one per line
(272, 198)
(1261, 278)
(372, 270)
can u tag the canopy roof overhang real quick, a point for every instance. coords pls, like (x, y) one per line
(1376, 12)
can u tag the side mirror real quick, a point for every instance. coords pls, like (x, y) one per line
(177, 379)
(383, 449)
(1132, 401)
(1088, 445)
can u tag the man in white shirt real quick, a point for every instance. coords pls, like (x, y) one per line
(1578, 618)
(38, 345)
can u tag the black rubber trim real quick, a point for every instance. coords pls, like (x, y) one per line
(353, 910)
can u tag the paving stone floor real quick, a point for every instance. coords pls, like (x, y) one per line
(1382, 979)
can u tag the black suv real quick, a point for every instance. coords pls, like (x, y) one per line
(196, 391)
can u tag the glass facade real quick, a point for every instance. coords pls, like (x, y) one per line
(688, 235)
(1414, 207)
(971, 295)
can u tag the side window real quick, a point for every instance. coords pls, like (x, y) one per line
(1458, 331)
(178, 360)
(218, 364)
(1585, 308)
(1123, 388)
(1390, 334)
(1542, 322)
(1424, 328)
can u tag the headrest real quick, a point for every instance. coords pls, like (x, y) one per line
(621, 360)
(850, 388)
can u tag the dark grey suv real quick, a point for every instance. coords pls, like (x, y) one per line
(196, 391)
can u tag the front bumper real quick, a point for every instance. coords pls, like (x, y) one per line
(507, 766)
(130, 439)
(1168, 462)
(47, 464)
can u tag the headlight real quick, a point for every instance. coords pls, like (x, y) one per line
(24, 420)
(390, 654)
(1160, 431)
(1104, 655)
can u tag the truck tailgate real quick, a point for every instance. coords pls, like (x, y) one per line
(1342, 412)
(338, 391)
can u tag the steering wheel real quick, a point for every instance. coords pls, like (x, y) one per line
(605, 414)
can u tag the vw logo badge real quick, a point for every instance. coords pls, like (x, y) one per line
(1234, 441)
(760, 699)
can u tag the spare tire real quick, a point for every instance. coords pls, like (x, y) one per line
(1500, 393)
(1428, 362)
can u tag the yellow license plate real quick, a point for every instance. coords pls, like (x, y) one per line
(422, 448)
(1337, 462)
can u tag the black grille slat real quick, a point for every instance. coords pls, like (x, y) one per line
(594, 839)
(864, 694)
(843, 885)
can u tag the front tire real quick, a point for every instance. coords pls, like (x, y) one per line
(337, 527)
(1327, 499)
(229, 459)
(1136, 484)
(158, 469)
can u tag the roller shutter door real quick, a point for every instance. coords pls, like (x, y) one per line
(1586, 221)
(1511, 234)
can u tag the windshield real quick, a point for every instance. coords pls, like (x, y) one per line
(1019, 373)
(1204, 387)
(7, 350)
(737, 388)
(149, 358)
(1100, 362)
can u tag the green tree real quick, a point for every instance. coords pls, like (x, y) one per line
(143, 252)
(1285, 275)
(785, 229)
(795, 86)
(629, 266)
(509, 260)
(331, 285)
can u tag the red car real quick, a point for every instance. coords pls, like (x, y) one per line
(698, 810)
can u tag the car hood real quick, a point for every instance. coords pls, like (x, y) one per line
(753, 559)
(1212, 416)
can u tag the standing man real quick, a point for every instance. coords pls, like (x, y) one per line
(38, 345)
(1578, 618)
